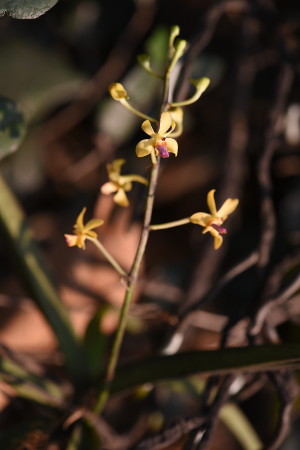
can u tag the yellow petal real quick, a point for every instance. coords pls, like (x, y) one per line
(109, 188)
(117, 91)
(172, 146)
(228, 207)
(90, 233)
(218, 241)
(176, 114)
(165, 123)
(80, 241)
(211, 202)
(201, 218)
(94, 223)
(147, 128)
(71, 240)
(117, 164)
(144, 147)
(133, 177)
(126, 185)
(79, 221)
(120, 198)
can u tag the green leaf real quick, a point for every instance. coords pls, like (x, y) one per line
(83, 437)
(16, 233)
(12, 127)
(234, 418)
(25, 9)
(95, 343)
(224, 361)
(28, 385)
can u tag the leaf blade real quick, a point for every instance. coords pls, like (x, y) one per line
(25, 9)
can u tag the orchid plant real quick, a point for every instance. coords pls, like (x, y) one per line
(160, 144)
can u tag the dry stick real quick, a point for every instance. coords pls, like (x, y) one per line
(285, 79)
(203, 38)
(273, 296)
(278, 273)
(169, 436)
(263, 312)
(178, 332)
(232, 182)
(235, 162)
(264, 177)
(237, 145)
(213, 413)
(288, 391)
(96, 87)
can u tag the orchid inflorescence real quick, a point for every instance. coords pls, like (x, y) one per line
(160, 144)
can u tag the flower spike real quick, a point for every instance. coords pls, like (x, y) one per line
(213, 222)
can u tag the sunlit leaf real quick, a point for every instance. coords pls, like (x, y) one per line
(25, 9)
(12, 127)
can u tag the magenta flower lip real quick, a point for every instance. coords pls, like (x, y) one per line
(162, 150)
(219, 229)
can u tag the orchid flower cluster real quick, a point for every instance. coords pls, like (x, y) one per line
(160, 143)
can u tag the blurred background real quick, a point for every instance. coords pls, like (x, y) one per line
(241, 138)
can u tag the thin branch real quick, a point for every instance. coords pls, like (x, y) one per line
(288, 391)
(275, 128)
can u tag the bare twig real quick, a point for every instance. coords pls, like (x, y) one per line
(202, 39)
(263, 312)
(288, 390)
(276, 123)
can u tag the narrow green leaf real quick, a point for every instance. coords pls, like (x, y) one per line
(12, 127)
(28, 385)
(238, 359)
(94, 344)
(234, 418)
(25, 9)
(32, 268)
(84, 437)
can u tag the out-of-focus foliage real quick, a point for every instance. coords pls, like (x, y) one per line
(12, 126)
(25, 9)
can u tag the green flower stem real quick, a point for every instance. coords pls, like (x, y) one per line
(176, 223)
(114, 356)
(144, 61)
(138, 113)
(108, 256)
(201, 86)
(133, 274)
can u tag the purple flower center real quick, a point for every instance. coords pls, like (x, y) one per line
(162, 150)
(220, 230)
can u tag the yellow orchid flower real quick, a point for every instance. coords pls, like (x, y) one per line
(212, 222)
(82, 232)
(159, 143)
(120, 184)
